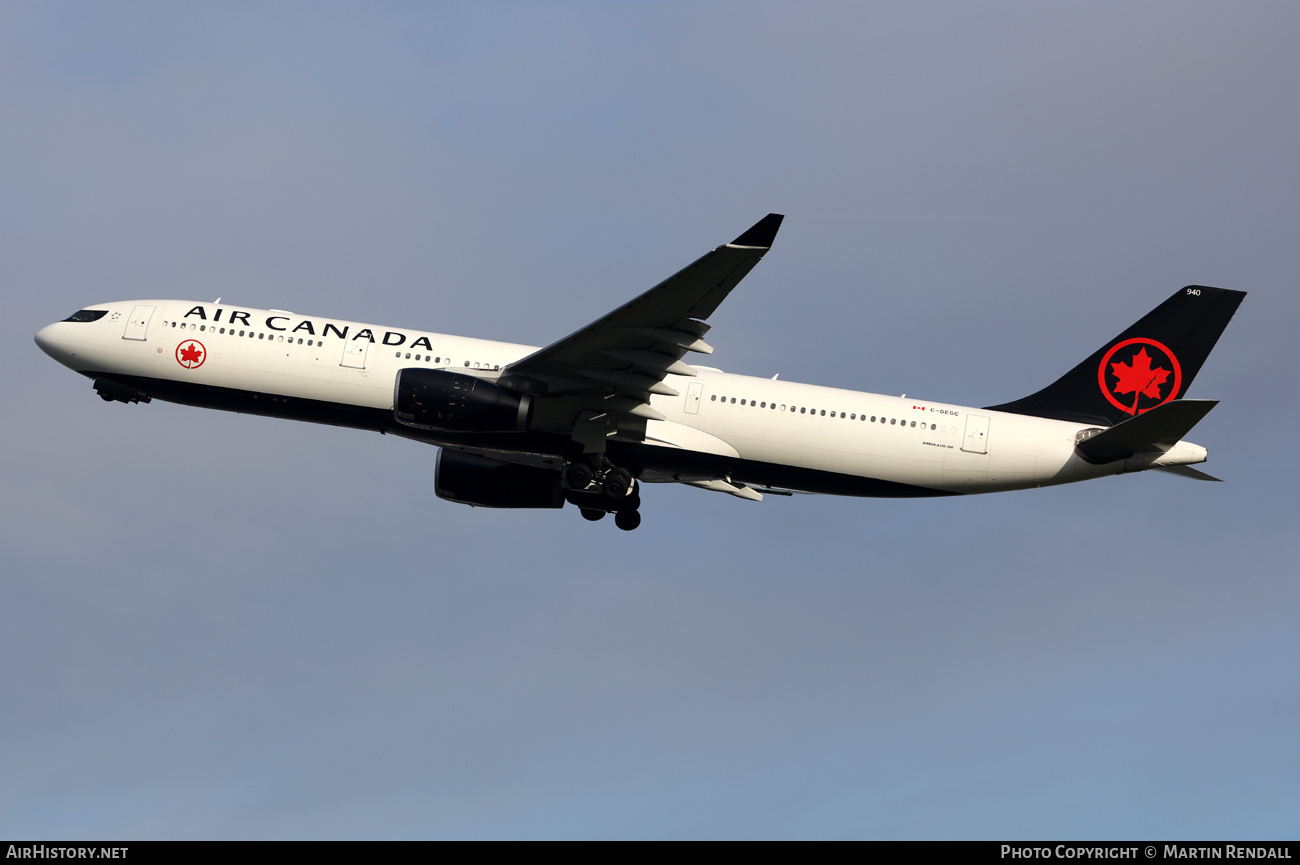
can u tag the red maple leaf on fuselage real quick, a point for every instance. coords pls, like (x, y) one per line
(191, 354)
(1138, 376)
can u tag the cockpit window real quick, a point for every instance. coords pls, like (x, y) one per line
(87, 315)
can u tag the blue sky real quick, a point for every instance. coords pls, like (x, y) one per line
(217, 626)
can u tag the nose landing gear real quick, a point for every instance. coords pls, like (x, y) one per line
(601, 489)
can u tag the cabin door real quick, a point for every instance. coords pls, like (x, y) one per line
(976, 440)
(693, 397)
(138, 324)
(354, 353)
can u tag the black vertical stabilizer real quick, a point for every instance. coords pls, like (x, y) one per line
(1151, 363)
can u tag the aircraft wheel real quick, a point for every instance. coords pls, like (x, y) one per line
(577, 475)
(627, 520)
(616, 486)
(592, 514)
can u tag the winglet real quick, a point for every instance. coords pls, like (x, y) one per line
(762, 233)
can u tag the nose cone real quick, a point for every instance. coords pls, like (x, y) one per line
(45, 339)
(50, 341)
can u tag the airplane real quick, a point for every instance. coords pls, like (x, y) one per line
(591, 419)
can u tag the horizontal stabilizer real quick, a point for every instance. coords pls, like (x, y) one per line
(1188, 472)
(1157, 429)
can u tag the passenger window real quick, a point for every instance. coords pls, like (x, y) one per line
(892, 421)
(733, 400)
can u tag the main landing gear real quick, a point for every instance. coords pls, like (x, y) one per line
(598, 488)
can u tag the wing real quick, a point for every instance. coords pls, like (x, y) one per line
(612, 366)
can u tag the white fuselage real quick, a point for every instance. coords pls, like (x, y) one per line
(282, 356)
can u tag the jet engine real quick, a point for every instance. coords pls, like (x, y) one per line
(483, 482)
(436, 399)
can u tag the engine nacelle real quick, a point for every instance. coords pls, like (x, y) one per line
(110, 390)
(483, 482)
(440, 400)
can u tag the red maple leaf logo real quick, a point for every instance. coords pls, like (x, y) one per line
(191, 354)
(1138, 378)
